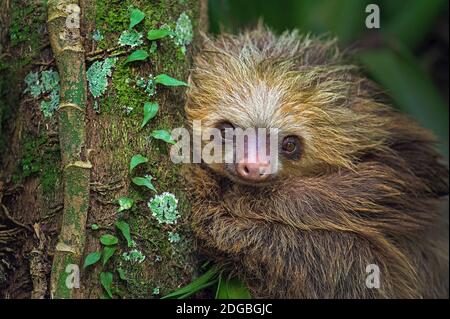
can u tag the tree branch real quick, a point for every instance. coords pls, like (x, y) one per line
(63, 22)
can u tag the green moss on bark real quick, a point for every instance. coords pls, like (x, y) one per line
(27, 38)
(119, 137)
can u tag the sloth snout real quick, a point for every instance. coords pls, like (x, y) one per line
(255, 172)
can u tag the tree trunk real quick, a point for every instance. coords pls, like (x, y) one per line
(45, 161)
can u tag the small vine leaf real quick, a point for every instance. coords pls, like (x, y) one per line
(138, 55)
(91, 259)
(125, 204)
(121, 274)
(95, 227)
(166, 80)
(144, 181)
(124, 227)
(158, 34)
(137, 160)
(106, 279)
(108, 251)
(150, 110)
(109, 240)
(136, 16)
(163, 135)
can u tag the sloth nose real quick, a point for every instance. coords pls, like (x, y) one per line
(255, 172)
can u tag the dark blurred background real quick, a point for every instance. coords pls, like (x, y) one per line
(407, 55)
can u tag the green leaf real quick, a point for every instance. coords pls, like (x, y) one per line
(190, 293)
(136, 16)
(163, 135)
(144, 181)
(138, 55)
(106, 279)
(108, 251)
(158, 34)
(91, 259)
(121, 273)
(166, 80)
(231, 288)
(125, 203)
(220, 290)
(109, 240)
(137, 160)
(207, 279)
(95, 227)
(125, 229)
(150, 110)
(104, 295)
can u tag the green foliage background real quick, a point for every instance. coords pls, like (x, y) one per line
(408, 55)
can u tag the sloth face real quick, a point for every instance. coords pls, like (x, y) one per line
(251, 156)
(320, 108)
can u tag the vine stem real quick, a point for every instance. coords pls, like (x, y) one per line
(111, 52)
(63, 21)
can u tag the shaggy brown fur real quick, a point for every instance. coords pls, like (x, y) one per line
(366, 189)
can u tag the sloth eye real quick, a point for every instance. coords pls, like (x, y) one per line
(291, 146)
(223, 127)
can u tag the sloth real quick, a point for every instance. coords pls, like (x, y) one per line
(359, 189)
